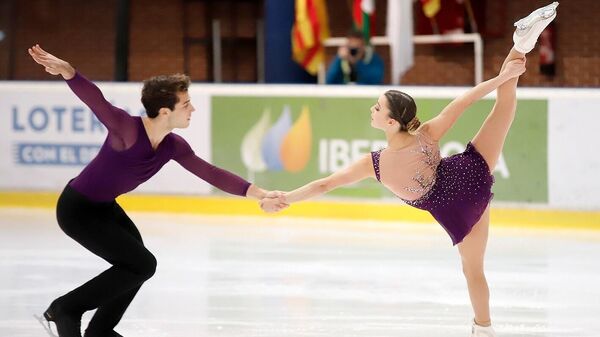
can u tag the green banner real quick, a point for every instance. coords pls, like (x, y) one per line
(284, 142)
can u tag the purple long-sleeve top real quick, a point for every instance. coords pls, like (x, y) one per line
(127, 159)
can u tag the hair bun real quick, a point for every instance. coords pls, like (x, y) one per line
(413, 125)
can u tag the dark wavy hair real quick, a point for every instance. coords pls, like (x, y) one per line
(403, 109)
(161, 92)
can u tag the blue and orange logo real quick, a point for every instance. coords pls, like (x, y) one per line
(277, 147)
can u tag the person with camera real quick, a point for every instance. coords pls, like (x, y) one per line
(355, 63)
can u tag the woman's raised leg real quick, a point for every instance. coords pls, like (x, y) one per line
(489, 141)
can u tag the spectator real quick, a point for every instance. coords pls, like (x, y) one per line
(355, 63)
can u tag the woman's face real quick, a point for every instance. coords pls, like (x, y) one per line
(380, 114)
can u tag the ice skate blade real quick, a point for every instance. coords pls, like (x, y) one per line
(543, 13)
(45, 322)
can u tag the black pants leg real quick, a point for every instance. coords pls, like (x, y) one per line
(105, 230)
(108, 315)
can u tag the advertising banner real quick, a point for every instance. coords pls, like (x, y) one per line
(284, 142)
(48, 135)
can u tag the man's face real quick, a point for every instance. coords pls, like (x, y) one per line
(182, 113)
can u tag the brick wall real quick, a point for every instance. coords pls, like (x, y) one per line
(577, 53)
(156, 32)
(83, 32)
(578, 47)
(5, 41)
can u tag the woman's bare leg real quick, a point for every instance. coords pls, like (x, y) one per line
(490, 138)
(472, 252)
(489, 142)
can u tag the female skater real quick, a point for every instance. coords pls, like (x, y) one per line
(134, 150)
(456, 190)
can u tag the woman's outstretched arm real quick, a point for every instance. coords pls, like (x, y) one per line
(356, 172)
(439, 125)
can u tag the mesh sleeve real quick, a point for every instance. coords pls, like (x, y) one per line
(117, 121)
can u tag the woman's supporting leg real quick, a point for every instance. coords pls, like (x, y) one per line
(472, 253)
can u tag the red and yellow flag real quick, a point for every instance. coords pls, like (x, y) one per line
(430, 7)
(310, 30)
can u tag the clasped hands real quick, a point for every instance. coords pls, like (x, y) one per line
(273, 201)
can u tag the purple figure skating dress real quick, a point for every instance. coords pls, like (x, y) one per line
(456, 190)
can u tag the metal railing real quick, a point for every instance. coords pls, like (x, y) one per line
(474, 38)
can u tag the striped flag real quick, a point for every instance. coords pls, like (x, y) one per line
(430, 7)
(310, 29)
(363, 17)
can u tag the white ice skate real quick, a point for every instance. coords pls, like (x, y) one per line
(482, 331)
(530, 27)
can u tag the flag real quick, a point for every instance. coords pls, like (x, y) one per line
(449, 17)
(308, 34)
(400, 36)
(363, 17)
(431, 7)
